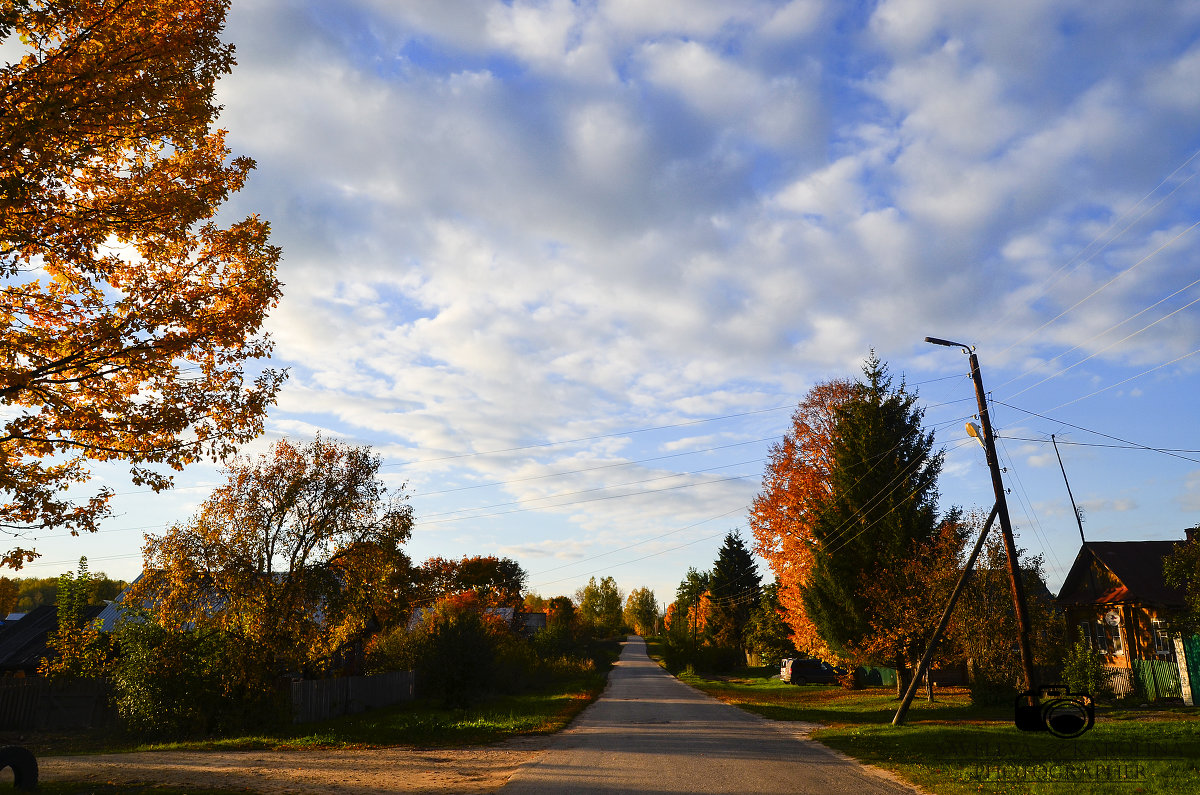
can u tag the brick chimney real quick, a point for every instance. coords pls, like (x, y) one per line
(1190, 534)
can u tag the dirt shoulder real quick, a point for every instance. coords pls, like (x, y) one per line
(352, 772)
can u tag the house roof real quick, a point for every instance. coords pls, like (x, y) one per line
(1137, 565)
(23, 642)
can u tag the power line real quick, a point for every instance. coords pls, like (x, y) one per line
(1071, 264)
(1164, 451)
(1111, 345)
(1101, 288)
(1097, 444)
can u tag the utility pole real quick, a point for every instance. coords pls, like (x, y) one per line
(1010, 546)
(923, 667)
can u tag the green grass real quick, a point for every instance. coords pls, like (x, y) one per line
(951, 746)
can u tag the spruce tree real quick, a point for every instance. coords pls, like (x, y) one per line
(881, 507)
(734, 590)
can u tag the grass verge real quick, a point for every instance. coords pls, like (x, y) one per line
(953, 747)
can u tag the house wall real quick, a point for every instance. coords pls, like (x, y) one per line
(1137, 632)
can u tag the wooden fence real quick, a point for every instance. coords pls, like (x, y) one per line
(34, 704)
(319, 699)
(1148, 679)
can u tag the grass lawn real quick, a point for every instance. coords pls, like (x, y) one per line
(951, 746)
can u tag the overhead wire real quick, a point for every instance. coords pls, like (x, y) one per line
(1071, 264)
(1165, 451)
(1101, 288)
(1107, 347)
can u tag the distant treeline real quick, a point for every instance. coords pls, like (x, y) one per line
(21, 594)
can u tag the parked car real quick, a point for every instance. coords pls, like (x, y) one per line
(805, 670)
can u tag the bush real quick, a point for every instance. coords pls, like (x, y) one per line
(180, 684)
(1084, 670)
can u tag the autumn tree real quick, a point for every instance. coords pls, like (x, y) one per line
(497, 582)
(600, 604)
(1181, 569)
(689, 612)
(880, 508)
(795, 485)
(560, 611)
(292, 557)
(734, 589)
(128, 315)
(907, 596)
(983, 627)
(10, 593)
(641, 611)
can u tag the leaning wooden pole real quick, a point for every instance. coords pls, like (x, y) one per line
(923, 667)
(1010, 547)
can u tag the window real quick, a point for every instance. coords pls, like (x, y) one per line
(1085, 629)
(1162, 640)
(1114, 634)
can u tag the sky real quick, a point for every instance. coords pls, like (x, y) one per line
(569, 266)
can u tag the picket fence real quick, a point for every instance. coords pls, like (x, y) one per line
(1148, 679)
(320, 699)
(34, 704)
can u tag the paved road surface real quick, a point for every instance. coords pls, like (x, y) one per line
(649, 733)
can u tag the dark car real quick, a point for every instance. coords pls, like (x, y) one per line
(805, 670)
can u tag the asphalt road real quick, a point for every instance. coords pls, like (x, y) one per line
(649, 733)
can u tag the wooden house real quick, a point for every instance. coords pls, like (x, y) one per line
(1116, 595)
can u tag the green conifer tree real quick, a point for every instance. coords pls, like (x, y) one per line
(881, 507)
(734, 591)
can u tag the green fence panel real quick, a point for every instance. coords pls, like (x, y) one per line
(1157, 679)
(1191, 653)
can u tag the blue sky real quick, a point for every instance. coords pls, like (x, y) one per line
(546, 228)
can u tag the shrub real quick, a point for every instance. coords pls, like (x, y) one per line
(177, 684)
(1084, 670)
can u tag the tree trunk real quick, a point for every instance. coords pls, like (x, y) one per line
(901, 683)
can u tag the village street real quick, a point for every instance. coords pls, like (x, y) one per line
(649, 733)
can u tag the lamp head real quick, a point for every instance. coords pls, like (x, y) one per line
(973, 430)
(936, 341)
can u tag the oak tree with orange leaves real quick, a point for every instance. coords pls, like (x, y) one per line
(795, 485)
(129, 317)
(295, 556)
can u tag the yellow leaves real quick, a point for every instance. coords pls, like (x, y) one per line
(106, 138)
(295, 552)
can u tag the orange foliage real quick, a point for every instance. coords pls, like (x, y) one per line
(497, 582)
(295, 554)
(795, 484)
(908, 598)
(127, 315)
